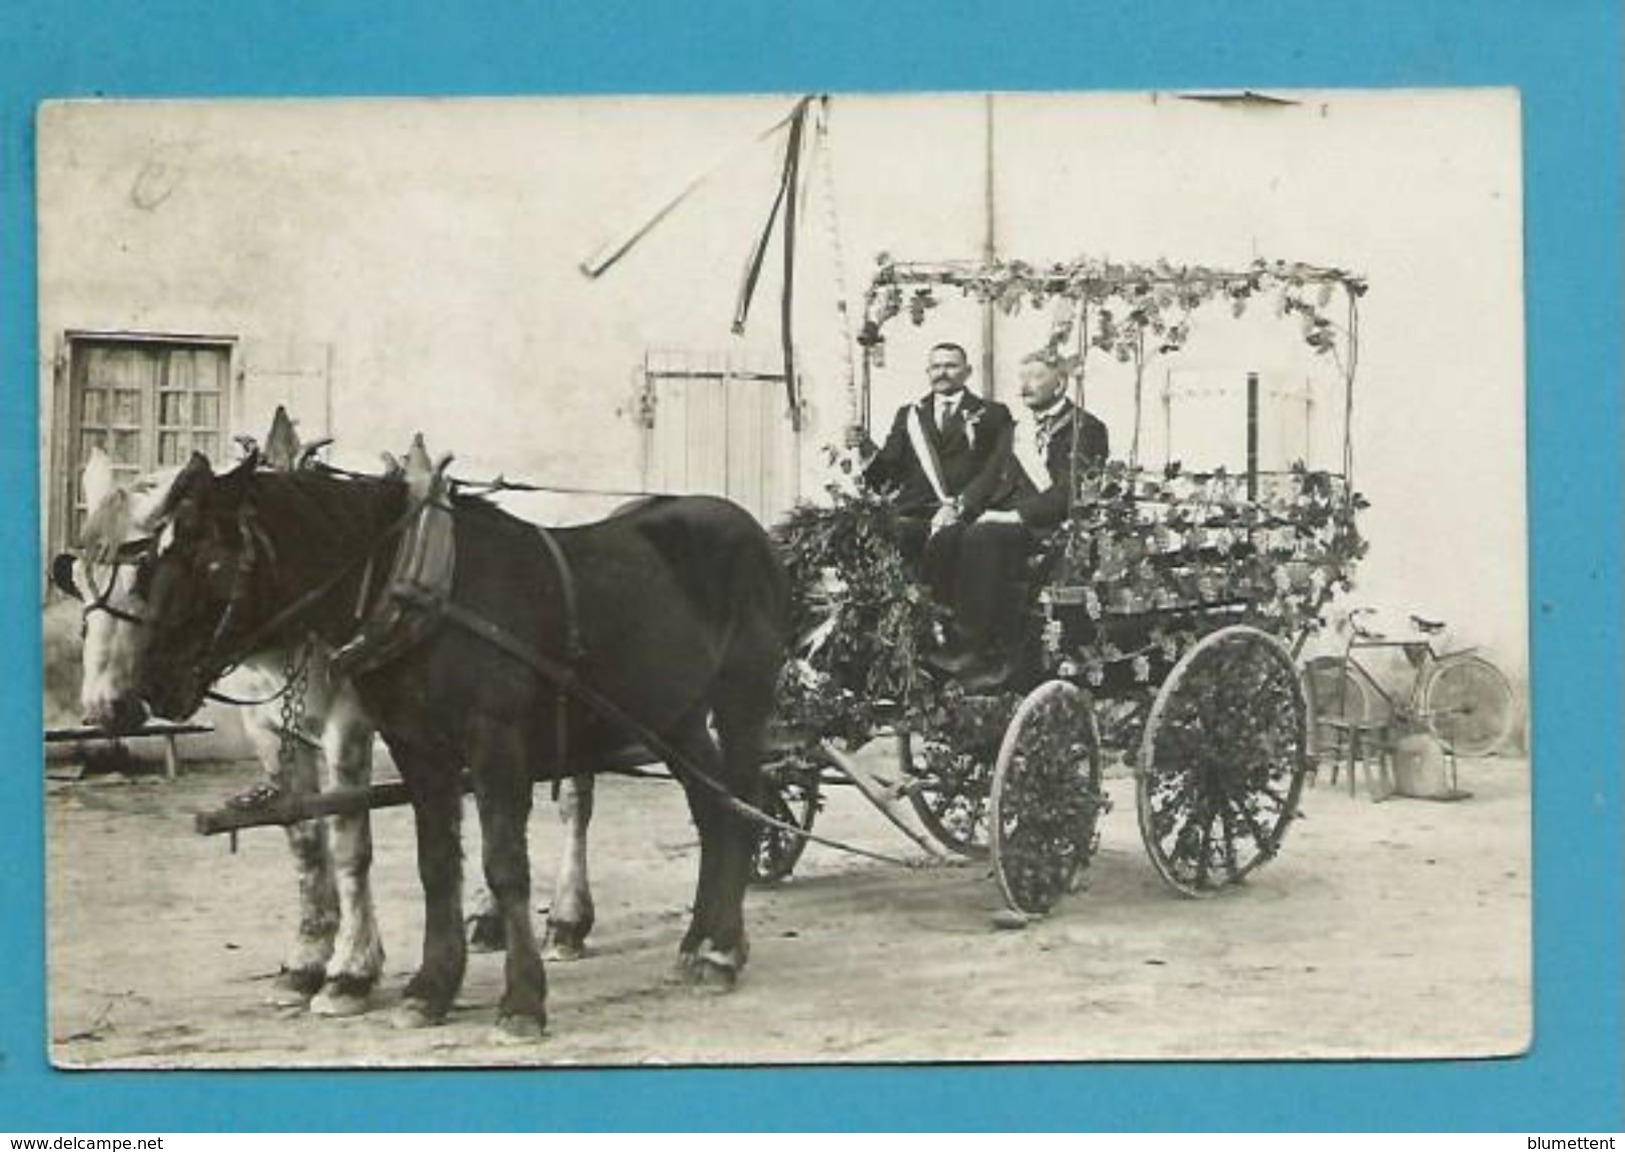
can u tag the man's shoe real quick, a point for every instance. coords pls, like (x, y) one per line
(953, 662)
(988, 677)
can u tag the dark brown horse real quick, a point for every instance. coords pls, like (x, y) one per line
(681, 607)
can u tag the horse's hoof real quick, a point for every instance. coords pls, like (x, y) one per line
(336, 1002)
(293, 987)
(486, 934)
(516, 1029)
(564, 944)
(710, 969)
(716, 972)
(414, 1014)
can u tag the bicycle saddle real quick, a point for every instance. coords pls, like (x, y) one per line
(1426, 626)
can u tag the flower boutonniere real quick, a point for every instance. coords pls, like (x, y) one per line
(973, 419)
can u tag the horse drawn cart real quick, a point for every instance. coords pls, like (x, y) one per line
(1162, 621)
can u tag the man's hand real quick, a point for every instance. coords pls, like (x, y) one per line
(999, 516)
(946, 515)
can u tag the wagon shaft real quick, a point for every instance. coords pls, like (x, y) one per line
(296, 807)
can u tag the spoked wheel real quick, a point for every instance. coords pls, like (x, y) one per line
(790, 794)
(950, 792)
(1047, 797)
(1468, 705)
(1222, 761)
(950, 762)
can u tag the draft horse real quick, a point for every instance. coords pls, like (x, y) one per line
(674, 620)
(337, 954)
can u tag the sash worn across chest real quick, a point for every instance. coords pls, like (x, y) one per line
(926, 452)
(1032, 446)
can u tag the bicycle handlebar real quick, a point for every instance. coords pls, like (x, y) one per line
(1359, 629)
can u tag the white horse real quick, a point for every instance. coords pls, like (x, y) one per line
(336, 956)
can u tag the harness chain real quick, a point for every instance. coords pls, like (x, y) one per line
(296, 674)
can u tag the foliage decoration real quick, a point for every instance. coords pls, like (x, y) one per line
(1123, 307)
(859, 621)
(1144, 566)
(1149, 557)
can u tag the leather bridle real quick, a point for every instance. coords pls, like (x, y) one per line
(219, 659)
(132, 552)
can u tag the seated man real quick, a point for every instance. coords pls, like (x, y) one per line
(1029, 500)
(943, 455)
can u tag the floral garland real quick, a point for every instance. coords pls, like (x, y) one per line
(1124, 308)
(1147, 556)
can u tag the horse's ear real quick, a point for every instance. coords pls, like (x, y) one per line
(191, 484)
(282, 442)
(62, 575)
(107, 526)
(97, 477)
(307, 453)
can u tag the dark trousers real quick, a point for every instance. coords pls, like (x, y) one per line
(988, 589)
(934, 558)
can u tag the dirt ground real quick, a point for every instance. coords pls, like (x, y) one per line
(1393, 929)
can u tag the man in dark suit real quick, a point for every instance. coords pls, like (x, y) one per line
(1028, 500)
(942, 457)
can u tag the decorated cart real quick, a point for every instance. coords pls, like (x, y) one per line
(1163, 617)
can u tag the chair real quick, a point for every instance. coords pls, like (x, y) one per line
(1350, 726)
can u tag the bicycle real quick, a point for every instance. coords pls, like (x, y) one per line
(1459, 697)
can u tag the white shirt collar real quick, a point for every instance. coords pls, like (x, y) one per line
(1053, 409)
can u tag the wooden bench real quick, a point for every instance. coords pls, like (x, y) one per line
(163, 729)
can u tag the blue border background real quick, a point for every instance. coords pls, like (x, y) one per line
(1565, 57)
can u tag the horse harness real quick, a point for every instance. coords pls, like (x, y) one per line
(132, 552)
(416, 597)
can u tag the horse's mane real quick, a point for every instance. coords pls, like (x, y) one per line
(349, 505)
(344, 507)
(119, 516)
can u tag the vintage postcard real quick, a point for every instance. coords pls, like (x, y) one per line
(1111, 643)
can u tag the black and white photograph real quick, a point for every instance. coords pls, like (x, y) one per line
(784, 579)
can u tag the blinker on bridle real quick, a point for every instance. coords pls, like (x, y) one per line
(217, 659)
(132, 552)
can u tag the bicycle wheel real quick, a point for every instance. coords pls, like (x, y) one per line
(1468, 705)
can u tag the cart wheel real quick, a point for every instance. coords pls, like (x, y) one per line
(1468, 705)
(950, 764)
(1047, 797)
(1222, 761)
(790, 793)
(949, 794)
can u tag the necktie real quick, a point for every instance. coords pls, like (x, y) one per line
(1029, 452)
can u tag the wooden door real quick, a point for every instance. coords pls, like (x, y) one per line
(713, 424)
